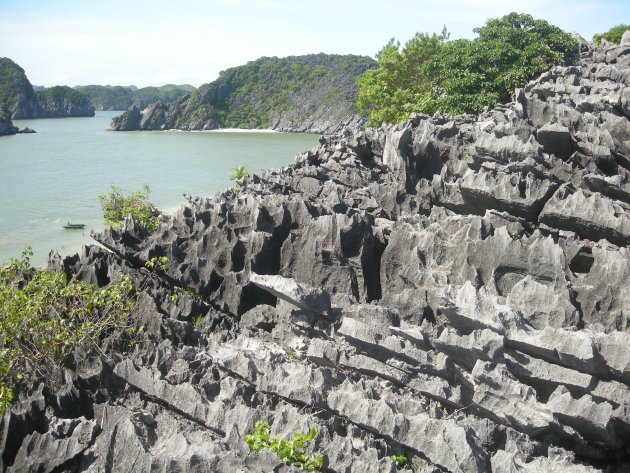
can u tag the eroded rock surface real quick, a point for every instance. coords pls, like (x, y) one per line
(455, 291)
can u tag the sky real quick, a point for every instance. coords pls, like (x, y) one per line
(140, 42)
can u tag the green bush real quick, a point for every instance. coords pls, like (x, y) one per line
(44, 317)
(431, 73)
(613, 35)
(403, 81)
(291, 452)
(400, 460)
(117, 203)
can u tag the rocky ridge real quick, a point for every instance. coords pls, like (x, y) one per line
(315, 93)
(451, 290)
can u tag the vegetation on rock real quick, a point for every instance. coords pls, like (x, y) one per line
(20, 99)
(62, 100)
(16, 92)
(431, 74)
(44, 318)
(118, 203)
(107, 97)
(297, 93)
(291, 452)
(400, 460)
(613, 35)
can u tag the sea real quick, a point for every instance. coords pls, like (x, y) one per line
(54, 176)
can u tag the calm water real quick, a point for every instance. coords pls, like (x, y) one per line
(54, 176)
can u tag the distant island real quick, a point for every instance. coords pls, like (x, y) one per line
(21, 101)
(116, 97)
(312, 93)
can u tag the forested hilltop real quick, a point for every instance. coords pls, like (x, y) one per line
(18, 97)
(108, 97)
(316, 92)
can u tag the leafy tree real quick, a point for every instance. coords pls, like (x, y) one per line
(117, 203)
(462, 86)
(44, 317)
(613, 35)
(516, 48)
(431, 73)
(402, 83)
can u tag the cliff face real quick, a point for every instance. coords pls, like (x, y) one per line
(452, 291)
(314, 93)
(16, 92)
(19, 98)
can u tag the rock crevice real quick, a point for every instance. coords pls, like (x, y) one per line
(454, 291)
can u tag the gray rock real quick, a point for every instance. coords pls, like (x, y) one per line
(454, 290)
(128, 121)
(302, 296)
(65, 440)
(555, 139)
(589, 215)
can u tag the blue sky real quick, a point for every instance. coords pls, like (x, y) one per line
(122, 42)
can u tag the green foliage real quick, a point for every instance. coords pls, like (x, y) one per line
(294, 356)
(400, 460)
(157, 262)
(291, 452)
(208, 112)
(196, 319)
(117, 203)
(431, 73)
(238, 173)
(44, 317)
(403, 81)
(613, 35)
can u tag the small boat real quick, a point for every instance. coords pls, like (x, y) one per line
(74, 226)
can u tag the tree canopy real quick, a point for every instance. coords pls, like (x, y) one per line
(613, 35)
(431, 73)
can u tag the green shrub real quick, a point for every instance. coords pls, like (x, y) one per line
(431, 73)
(613, 35)
(291, 452)
(44, 317)
(157, 263)
(400, 460)
(117, 203)
(238, 173)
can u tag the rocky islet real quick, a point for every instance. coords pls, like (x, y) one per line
(455, 291)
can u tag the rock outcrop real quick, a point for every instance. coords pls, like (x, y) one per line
(314, 93)
(455, 291)
(129, 120)
(6, 125)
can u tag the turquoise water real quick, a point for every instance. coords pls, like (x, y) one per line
(54, 176)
